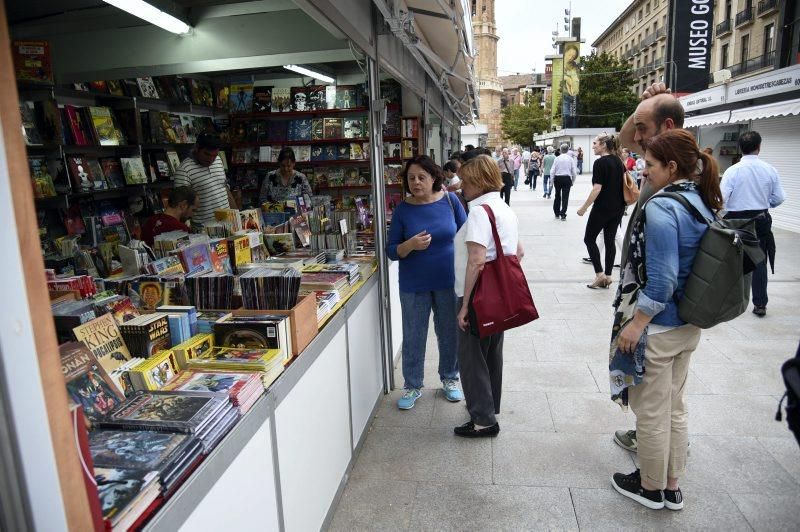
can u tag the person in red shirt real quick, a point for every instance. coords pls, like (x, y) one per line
(181, 204)
(627, 160)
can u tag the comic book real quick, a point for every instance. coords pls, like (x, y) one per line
(87, 382)
(167, 411)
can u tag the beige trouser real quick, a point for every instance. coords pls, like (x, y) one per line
(661, 414)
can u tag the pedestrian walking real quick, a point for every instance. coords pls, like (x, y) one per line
(579, 157)
(607, 203)
(563, 174)
(651, 346)
(547, 165)
(481, 359)
(516, 156)
(749, 189)
(506, 167)
(533, 169)
(421, 238)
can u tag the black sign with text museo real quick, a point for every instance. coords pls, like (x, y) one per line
(689, 55)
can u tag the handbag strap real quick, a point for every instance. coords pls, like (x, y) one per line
(497, 244)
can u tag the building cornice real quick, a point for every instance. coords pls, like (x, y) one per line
(617, 21)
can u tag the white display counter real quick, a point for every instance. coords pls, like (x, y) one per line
(285, 464)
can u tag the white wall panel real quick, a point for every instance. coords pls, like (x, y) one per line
(397, 316)
(314, 438)
(364, 343)
(246, 485)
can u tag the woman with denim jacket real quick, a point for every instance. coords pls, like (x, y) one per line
(651, 346)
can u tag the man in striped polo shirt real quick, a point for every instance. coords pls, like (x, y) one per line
(203, 172)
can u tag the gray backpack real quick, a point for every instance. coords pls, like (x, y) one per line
(718, 287)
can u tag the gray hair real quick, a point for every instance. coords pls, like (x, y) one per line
(564, 148)
(550, 149)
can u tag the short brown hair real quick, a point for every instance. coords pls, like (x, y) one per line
(483, 173)
(427, 164)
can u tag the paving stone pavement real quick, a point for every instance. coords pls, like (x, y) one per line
(551, 465)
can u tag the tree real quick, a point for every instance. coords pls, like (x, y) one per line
(521, 122)
(605, 98)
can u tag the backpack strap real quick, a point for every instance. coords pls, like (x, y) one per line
(687, 204)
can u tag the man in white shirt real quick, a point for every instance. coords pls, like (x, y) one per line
(749, 189)
(203, 172)
(562, 175)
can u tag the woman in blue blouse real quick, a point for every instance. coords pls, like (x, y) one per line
(421, 238)
(651, 346)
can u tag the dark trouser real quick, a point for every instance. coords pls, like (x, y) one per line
(562, 184)
(532, 175)
(480, 361)
(608, 223)
(505, 192)
(763, 231)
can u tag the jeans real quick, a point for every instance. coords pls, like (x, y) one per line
(562, 183)
(548, 187)
(763, 230)
(608, 224)
(416, 308)
(516, 178)
(532, 175)
(580, 166)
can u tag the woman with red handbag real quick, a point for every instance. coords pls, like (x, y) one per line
(481, 358)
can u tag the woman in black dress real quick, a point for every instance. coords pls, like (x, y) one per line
(607, 204)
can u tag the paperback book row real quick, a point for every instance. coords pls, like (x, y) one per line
(299, 129)
(351, 151)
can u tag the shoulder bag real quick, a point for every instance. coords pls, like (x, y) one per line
(630, 192)
(501, 299)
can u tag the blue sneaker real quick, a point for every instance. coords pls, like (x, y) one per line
(409, 398)
(451, 391)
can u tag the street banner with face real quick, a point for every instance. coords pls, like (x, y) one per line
(555, 96)
(571, 84)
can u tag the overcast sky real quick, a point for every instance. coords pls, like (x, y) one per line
(525, 27)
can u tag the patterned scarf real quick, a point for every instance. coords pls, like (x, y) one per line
(626, 369)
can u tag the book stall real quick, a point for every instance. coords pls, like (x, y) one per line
(223, 374)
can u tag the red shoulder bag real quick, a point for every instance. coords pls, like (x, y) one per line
(501, 299)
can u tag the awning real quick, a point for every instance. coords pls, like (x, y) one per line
(787, 108)
(707, 120)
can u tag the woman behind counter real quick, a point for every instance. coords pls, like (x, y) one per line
(421, 238)
(481, 359)
(285, 183)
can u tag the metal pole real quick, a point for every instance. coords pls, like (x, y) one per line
(376, 116)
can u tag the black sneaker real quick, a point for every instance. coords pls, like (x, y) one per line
(586, 260)
(760, 311)
(563, 217)
(673, 499)
(468, 430)
(631, 487)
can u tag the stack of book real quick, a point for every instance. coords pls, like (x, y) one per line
(243, 388)
(170, 455)
(207, 318)
(207, 416)
(211, 290)
(147, 334)
(269, 288)
(155, 372)
(327, 282)
(267, 361)
(126, 495)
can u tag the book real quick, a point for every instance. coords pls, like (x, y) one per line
(356, 151)
(104, 126)
(241, 96)
(196, 345)
(302, 153)
(299, 97)
(185, 412)
(279, 243)
(77, 128)
(101, 335)
(88, 384)
(173, 160)
(30, 129)
(316, 98)
(32, 61)
(79, 173)
(48, 121)
(133, 170)
(262, 99)
(222, 96)
(354, 128)
(146, 450)
(317, 128)
(300, 129)
(281, 100)
(147, 334)
(146, 87)
(115, 87)
(196, 259)
(112, 170)
(202, 93)
(346, 97)
(332, 128)
(43, 186)
(125, 494)
(155, 372)
(96, 171)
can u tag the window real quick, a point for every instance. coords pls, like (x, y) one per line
(745, 48)
(724, 59)
(728, 10)
(647, 8)
(641, 16)
(769, 38)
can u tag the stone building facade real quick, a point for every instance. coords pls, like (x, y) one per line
(485, 36)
